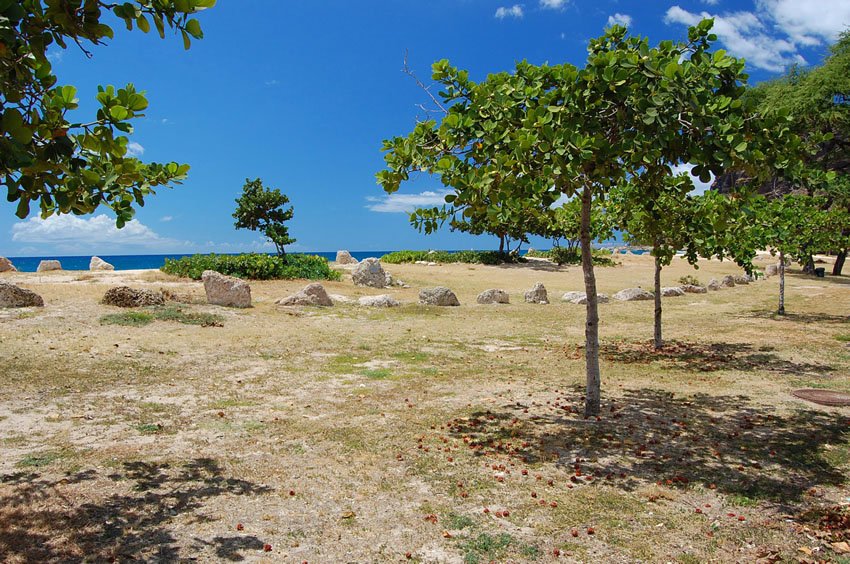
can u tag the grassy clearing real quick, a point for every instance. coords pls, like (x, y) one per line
(173, 314)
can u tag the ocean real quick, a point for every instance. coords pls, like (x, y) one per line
(145, 262)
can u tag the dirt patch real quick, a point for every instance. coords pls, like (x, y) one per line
(823, 397)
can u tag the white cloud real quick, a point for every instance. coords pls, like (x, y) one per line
(272, 82)
(699, 186)
(97, 233)
(514, 11)
(808, 23)
(553, 4)
(135, 149)
(407, 203)
(744, 35)
(711, 2)
(166, 218)
(624, 20)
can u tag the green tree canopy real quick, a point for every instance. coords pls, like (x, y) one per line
(264, 209)
(74, 166)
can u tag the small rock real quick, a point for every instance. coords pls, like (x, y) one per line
(537, 295)
(226, 290)
(369, 272)
(772, 270)
(438, 296)
(98, 263)
(311, 295)
(344, 257)
(124, 296)
(14, 296)
(48, 265)
(727, 281)
(633, 295)
(383, 300)
(582, 300)
(714, 284)
(6, 265)
(742, 279)
(493, 296)
(672, 292)
(339, 298)
(572, 296)
(693, 289)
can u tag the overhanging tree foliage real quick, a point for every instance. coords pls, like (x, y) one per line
(264, 209)
(543, 132)
(46, 158)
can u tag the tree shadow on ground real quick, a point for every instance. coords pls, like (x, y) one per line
(702, 357)
(539, 265)
(725, 443)
(78, 517)
(796, 317)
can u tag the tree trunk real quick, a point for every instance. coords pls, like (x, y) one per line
(591, 327)
(809, 267)
(839, 263)
(781, 310)
(659, 343)
(501, 244)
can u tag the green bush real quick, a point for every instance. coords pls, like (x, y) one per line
(566, 255)
(690, 280)
(467, 257)
(253, 266)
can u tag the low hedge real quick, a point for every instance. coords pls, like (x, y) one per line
(565, 255)
(468, 257)
(254, 266)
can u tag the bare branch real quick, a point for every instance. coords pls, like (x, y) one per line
(427, 88)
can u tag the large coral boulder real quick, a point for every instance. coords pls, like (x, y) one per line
(6, 265)
(672, 292)
(124, 296)
(98, 263)
(438, 296)
(714, 284)
(311, 295)
(344, 257)
(727, 281)
(13, 296)
(226, 290)
(383, 300)
(48, 265)
(537, 295)
(693, 289)
(493, 296)
(633, 295)
(771, 270)
(369, 272)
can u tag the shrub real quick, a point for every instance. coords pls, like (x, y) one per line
(467, 257)
(568, 255)
(690, 280)
(253, 266)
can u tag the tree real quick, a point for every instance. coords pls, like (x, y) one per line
(795, 227)
(706, 226)
(547, 131)
(75, 166)
(263, 209)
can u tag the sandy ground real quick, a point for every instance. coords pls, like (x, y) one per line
(421, 433)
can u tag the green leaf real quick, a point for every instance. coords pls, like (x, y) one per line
(193, 26)
(118, 112)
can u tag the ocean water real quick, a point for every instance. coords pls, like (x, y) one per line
(139, 262)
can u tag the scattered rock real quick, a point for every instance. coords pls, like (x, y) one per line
(571, 296)
(742, 279)
(438, 296)
(633, 295)
(311, 295)
(369, 272)
(727, 281)
(226, 290)
(383, 300)
(124, 296)
(582, 300)
(6, 265)
(339, 298)
(344, 257)
(48, 265)
(672, 292)
(772, 270)
(14, 296)
(98, 263)
(537, 295)
(714, 284)
(694, 289)
(493, 296)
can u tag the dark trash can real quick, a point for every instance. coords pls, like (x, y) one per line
(820, 272)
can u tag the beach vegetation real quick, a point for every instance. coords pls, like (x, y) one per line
(468, 257)
(264, 209)
(254, 266)
(66, 164)
(173, 314)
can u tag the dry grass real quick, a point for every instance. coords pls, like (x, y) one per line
(452, 434)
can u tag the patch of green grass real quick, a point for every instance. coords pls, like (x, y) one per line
(149, 428)
(530, 551)
(377, 373)
(167, 313)
(837, 456)
(411, 356)
(843, 338)
(456, 522)
(741, 500)
(686, 558)
(39, 460)
(485, 546)
(230, 402)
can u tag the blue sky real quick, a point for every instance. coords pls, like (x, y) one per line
(301, 94)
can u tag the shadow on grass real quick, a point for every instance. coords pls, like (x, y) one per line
(797, 317)
(704, 357)
(722, 442)
(72, 519)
